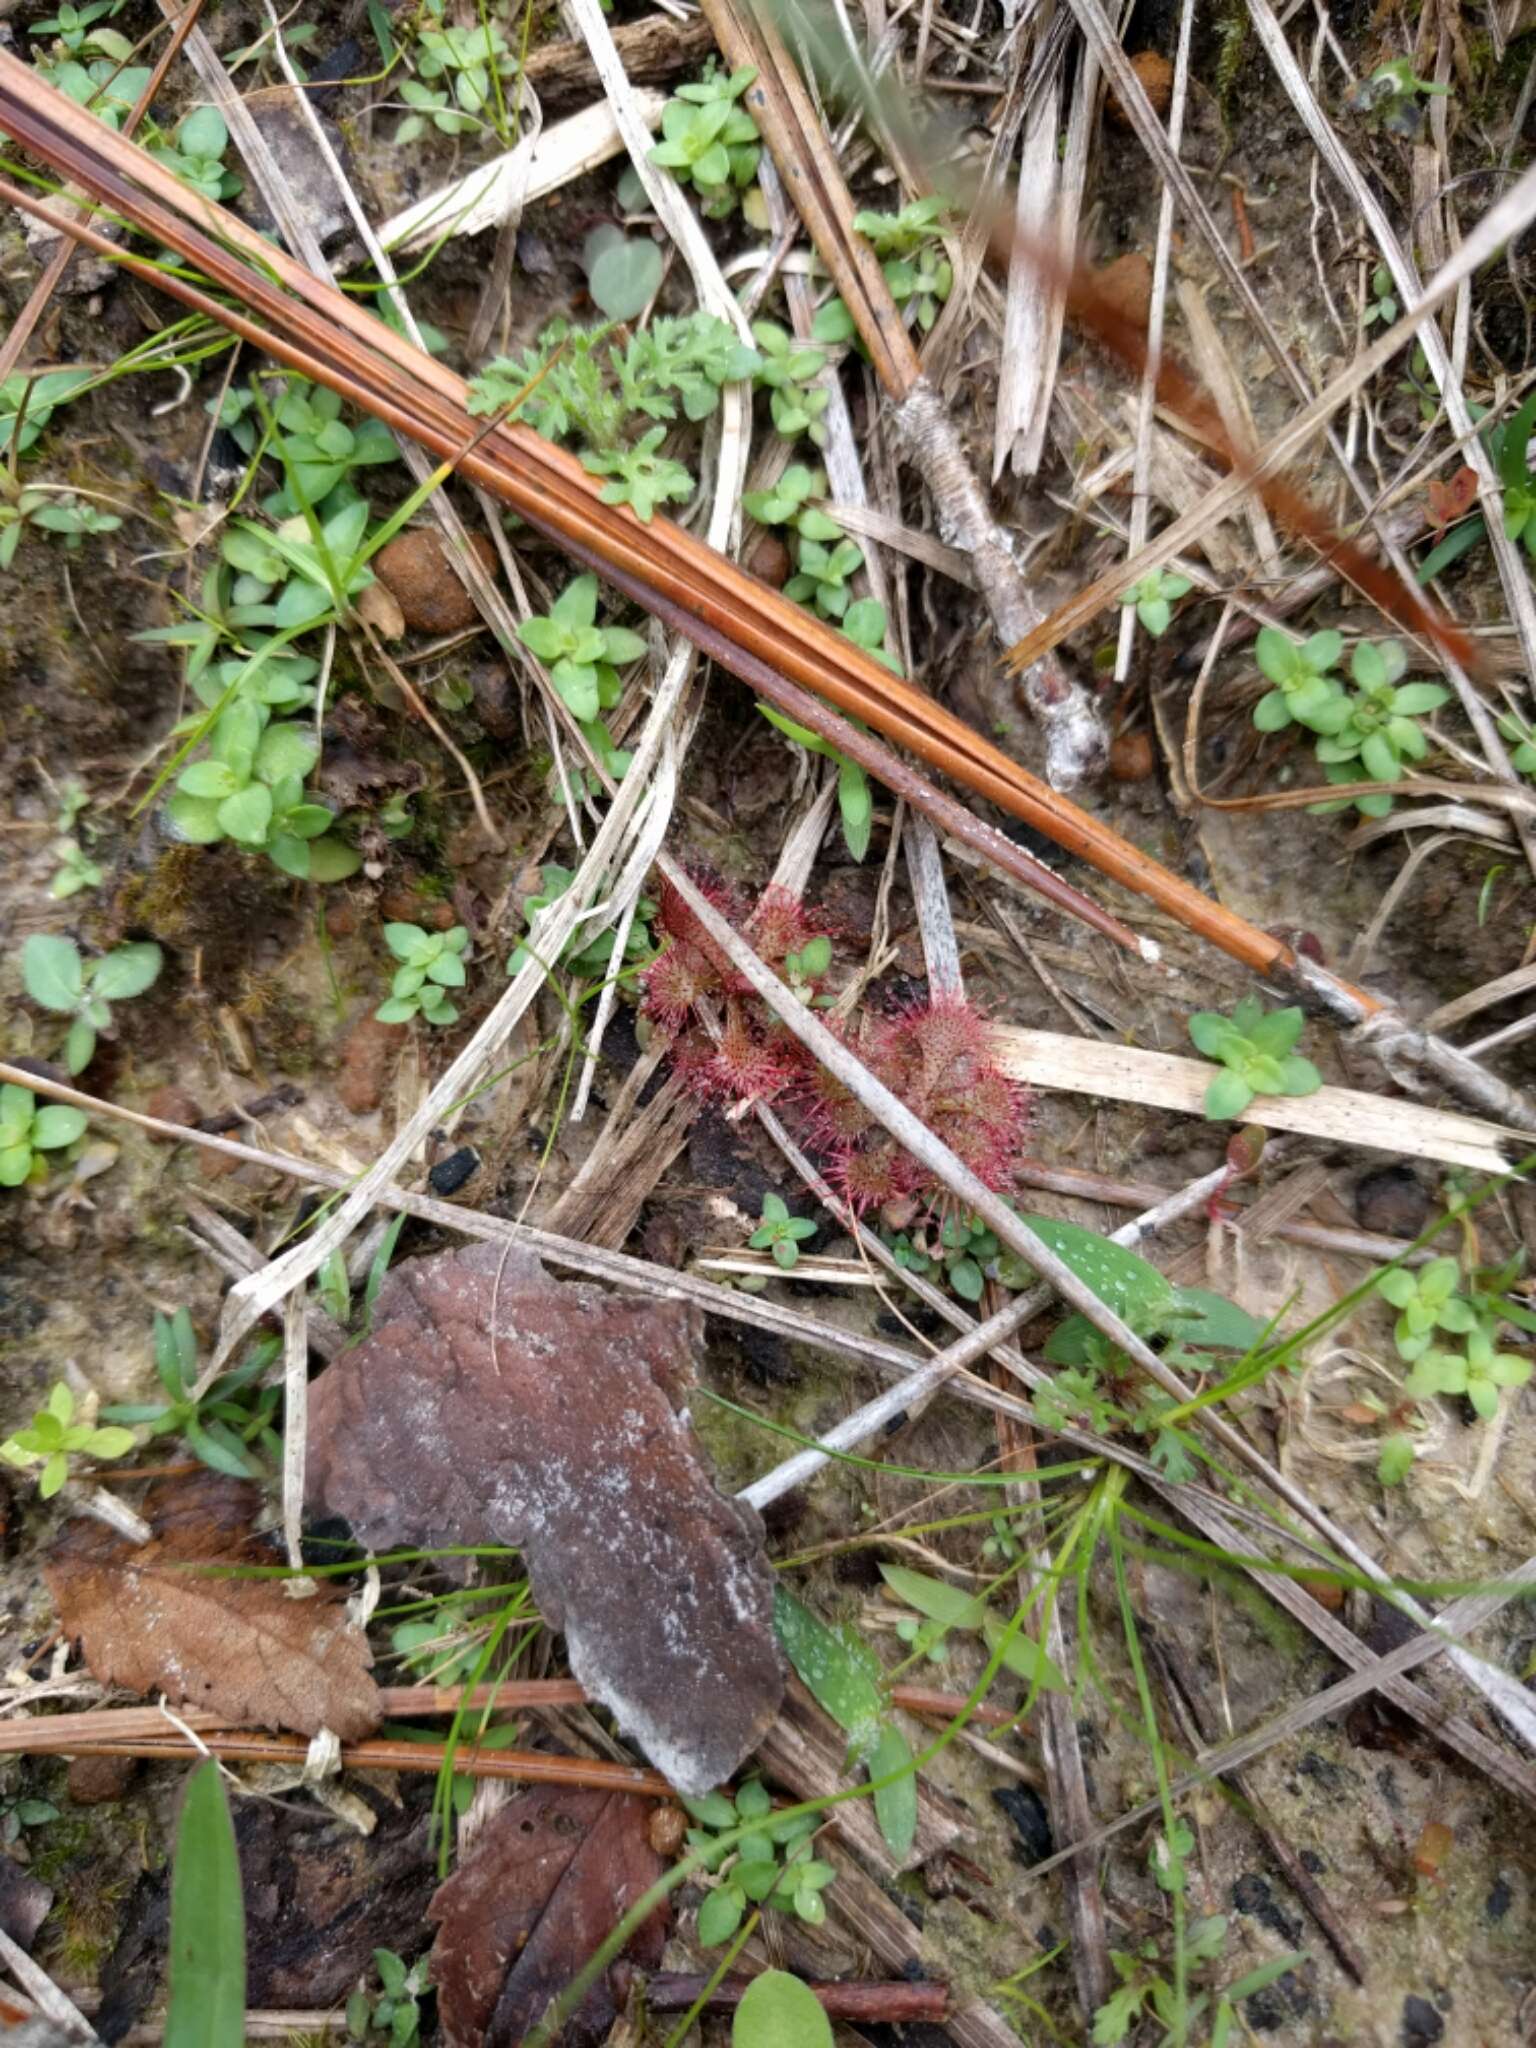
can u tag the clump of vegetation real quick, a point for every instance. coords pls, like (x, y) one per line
(430, 964)
(709, 140)
(220, 1426)
(1388, 102)
(27, 1132)
(396, 2011)
(787, 503)
(583, 660)
(56, 977)
(47, 511)
(1255, 1048)
(774, 1867)
(917, 272)
(1366, 734)
(1154, 598)
(54, 1438)
(781, 1233)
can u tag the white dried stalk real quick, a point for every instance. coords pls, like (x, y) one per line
(1164, 1080)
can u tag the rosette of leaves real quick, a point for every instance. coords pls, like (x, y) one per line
(1426, 1301)
(1255, 1049)
(250, 788)
(105, 87)
(27, 1132)
(429, 106)
(55, 1437)
(1305, 692)
(773, 1867)
(788, 503)
(430, 963)
(788, 374)
(319, 449)
(468, 57)
(69, 517)
(56, 976)
(709, 140)
(582, 657)
(1380, 729)
(28, 403)
(1154, 598)
(1481, 1373)
(822, 575)
(195, 154)
(319, 566)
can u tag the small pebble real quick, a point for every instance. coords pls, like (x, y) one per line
(172, 1104)
(368, 1056)
(1031, 1823)
(404, 906)
(430, 596)
(1392, 1201)
(667, 1829)
(1422, 2025)
(769, 560)
(1130, 757)
(450, 1174)
(99, 1780)
(1155, 74)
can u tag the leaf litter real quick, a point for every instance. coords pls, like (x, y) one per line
(494, 1405)
(148, 1619)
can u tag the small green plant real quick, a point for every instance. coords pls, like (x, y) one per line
(1146, 1992)
(960, 1250)
(474, 60)
(865, 625)
(587, 956)
(1154, 598)
(1383, 306)
(779, 1232)
(70, 517)
(1306, 692)
(916, 270)
(822, 575)
(396, 2012)
(430, 964)
(773, 1868)
(21, 1812)
(28, 403)
(195, 154)
(581, 656)
(1381, 730)
(1481, 1373)
(73, 26)
(56, 977)
(855, 804)
(1426, 1301)
(709, 140)
(249, 788)
(430, 108)
(318, 448)
(1522, 740)
(105, 86)
(945, 1607)
(221, 1425)
(27, 1132)
(1255, 1049)
(786, 503)
(76, 871)
(1388, 102)
(788, 374)
(55, 1437)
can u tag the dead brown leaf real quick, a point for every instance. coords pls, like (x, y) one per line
(552, 1875)
(240, 1647)
(495, 1405)
(1452, 500)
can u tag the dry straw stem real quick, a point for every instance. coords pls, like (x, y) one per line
(807, 163)
(1193, 1502)
(748, 628)
(1128, 1073)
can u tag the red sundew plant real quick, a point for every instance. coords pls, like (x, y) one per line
(936, 1055)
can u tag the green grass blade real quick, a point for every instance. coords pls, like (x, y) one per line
(207, 1955)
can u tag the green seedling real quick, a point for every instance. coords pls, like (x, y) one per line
(318, 447)
(21, 1812)
(822, 576)
(788, 374)
(945, 1608)
(778, 2011)
(779, 1232)
(319, 569)
(249, 788)
(396, 2012)
(773, 1868)
(28, 403)
(855, 804)
(105, 87)
(76, 871)
(1255, 1049)
(56, 977)
(581, 656)
(1426, 1301)
(961, 1254)
(430, 963)
(1154, 598)
(1306, 691)
(430, 107)
(473, 61)
(55, 1437)
(1481, 1373)
(583, 956)
(787, 503)
(641, 477)
(1380, 730)
(68, 516)
(917, 272)
(1383, 306)
(221, 1425)
(1522, 741)
(74, 26)
(864, 624)
(195, 154)
(710, 141)
(27, 1132)
(1388, 102)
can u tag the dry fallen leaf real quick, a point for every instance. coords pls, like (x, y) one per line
(1452, 500)
(239, 1647)
(551, 1876)
(560, 1433)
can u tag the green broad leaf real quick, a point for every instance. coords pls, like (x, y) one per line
(79, 1046)
(1135, 1290)
(721, 1914)
(207, 1948)
(940, 1601)
(896, 1803)
(713, 1810)
(195, 819)
(1212, 1322)
(1023, 1656)
(1228, 1096)
(840, 1672)
(127, 971)
(777, 2011)
(203, 134)
(332, 860)
(213, 780)
(52, 971)
(57, 1124)
(247, 814)
(624, 276)
(1395, 1460)
(285, 750)
(856, 807)
(578, 689)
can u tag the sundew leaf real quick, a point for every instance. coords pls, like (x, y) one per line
(207, 1952)
(841, 1673)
